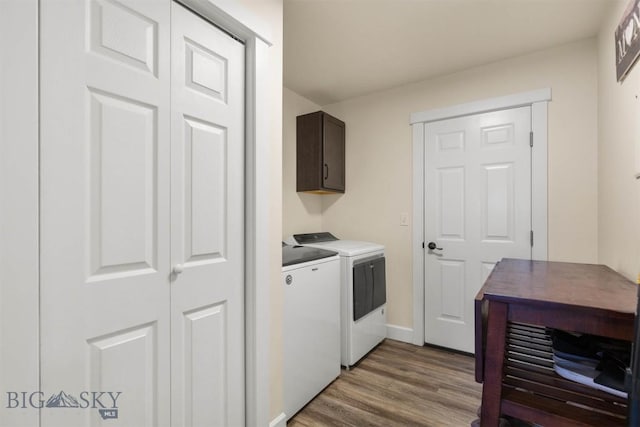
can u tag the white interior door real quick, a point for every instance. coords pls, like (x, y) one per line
(477, 211)
(207, 215)
(105, 212)
(142, 167)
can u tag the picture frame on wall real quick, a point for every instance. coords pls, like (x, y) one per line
(627, 39)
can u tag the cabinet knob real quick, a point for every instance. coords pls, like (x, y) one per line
(177, 269)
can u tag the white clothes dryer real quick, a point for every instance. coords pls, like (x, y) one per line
(363, 295)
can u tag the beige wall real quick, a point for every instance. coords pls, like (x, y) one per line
(302, 212)
(594, 151)
(618, 158)
(379, 176)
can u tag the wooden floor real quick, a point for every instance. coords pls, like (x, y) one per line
(399, 384)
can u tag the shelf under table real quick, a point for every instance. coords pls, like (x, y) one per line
(531, 389)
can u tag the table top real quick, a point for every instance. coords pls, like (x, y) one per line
(560, 283)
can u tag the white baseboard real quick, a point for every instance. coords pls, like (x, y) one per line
(400, 333)
(279, 421)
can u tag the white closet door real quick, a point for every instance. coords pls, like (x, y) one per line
(207, 215)
(477, 211)
(105, 254)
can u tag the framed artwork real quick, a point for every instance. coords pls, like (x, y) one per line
(627, 37)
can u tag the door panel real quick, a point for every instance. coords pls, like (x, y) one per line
(141, 172)
(477, 209)
(123, 172)
(205, 147)
(124, 35)
(105, 209)
(206, 71)
(452, 286)
(498, 202)
(452, 203)
(207, 234)
(205, 382)
(126, 360)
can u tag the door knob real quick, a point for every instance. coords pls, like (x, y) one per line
(432, 246)
(177, 269)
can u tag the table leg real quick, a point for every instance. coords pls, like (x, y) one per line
(493, 364)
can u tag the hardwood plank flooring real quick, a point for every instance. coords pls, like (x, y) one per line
(399, 384)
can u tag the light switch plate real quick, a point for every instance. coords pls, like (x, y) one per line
(404, 219)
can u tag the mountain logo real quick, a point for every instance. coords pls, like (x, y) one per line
(62, 400)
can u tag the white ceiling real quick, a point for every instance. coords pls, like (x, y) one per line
(339, 49)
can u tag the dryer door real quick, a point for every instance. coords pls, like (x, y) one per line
(362, 290)
(369, 286)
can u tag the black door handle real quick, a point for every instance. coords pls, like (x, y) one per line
(432, 246)
(326, 171)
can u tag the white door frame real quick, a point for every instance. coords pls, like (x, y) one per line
(538, 100)
(19, 193)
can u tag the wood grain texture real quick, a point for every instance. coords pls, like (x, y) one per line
(542, 283)
(575, 297)
(399, 384)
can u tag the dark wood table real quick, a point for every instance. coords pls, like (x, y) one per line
(517, 302)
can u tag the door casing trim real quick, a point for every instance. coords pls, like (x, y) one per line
(538, 101)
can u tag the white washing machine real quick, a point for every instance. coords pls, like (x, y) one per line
(311, 327)
(362, 295)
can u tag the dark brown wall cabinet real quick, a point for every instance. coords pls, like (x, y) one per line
(320, 153)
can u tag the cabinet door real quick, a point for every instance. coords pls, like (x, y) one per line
(333, 154)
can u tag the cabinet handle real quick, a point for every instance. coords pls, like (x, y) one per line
(326, 171)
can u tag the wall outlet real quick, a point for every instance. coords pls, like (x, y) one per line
(404, 219)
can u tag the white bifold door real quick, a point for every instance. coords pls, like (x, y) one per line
(142, 216)
(477, 211)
